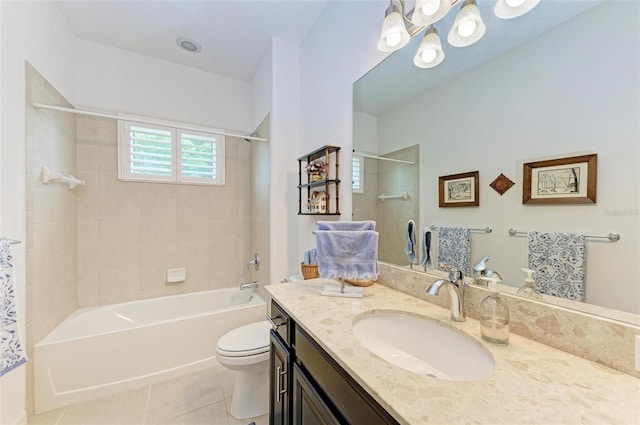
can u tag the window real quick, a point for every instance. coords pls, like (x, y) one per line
(357, 178)
(155, 153)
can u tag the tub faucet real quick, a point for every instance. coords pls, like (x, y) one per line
(253, 284)
(455, 285)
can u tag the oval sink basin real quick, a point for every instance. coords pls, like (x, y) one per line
(423, 346)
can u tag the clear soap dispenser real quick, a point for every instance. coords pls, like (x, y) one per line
(494, 316)
(529, 288)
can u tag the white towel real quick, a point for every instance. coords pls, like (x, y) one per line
(454, 247)
(11, 353)
(347, 254)
(559, 262)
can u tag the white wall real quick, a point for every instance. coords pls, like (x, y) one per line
(34, 32)
(548, 103)
(339, 49)
(118, 80)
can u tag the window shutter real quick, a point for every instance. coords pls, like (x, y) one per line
(150, 151)
(357, 178)
(198, 156)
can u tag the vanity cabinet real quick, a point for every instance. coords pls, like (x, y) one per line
(319, 193)
(313, 387)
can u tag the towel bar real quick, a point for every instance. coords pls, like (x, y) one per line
(485, 230)
(612, 237)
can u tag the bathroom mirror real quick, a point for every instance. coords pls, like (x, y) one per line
(544, 86)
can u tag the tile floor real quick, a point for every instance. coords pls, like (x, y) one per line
(199, 398)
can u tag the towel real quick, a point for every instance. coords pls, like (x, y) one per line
(410, 249)
(347, 225)
(454, 247)
(347, 254)
(559, 262)
(11, 353)
(310, 257)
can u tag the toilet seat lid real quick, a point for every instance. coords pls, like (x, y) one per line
(246, 340)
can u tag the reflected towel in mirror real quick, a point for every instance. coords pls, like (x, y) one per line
(454, 248)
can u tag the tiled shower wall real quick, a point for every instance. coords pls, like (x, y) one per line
(130, 233)
(393, 214)
(50, 216)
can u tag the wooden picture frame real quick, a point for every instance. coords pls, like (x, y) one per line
(569, 180)
(459, 190)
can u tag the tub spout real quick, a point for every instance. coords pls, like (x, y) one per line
(253, 284)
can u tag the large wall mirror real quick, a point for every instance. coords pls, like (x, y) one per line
(560, 81)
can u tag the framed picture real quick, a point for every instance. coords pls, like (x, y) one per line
(560, 181)
(459, 190)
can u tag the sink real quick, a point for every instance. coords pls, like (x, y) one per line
(423, 346)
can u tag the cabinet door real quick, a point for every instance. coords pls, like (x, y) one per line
(308, 406)
(279, 382)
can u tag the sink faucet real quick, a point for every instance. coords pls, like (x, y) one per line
(253, 284)
(455, 285)
(480, 270)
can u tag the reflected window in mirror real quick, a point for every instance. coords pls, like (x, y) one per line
(357, 166)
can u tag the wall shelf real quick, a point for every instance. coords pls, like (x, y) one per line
(322, 196)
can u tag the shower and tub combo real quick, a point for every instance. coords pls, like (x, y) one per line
(108, 349)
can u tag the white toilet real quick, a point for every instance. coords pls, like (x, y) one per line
(246, 351)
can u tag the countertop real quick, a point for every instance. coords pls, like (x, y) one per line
(532, 383)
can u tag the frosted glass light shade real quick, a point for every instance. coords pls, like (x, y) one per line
(430, 51)
(468, 27)
(508, 9)
(394, 34)
(427, 12)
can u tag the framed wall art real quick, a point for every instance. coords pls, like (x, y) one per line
(569, 180)
(459, 190)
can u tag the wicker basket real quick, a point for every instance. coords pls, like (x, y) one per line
(309, 271)
(360, 282)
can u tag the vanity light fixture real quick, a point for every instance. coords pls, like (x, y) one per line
(467, 29)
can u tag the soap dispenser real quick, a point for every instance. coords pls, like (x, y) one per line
(494, 316)
(529, 288)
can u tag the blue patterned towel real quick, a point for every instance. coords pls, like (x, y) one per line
(11, 354)
(347, 225)
(559, 262)
(410, 234)
(454, 247)
(347, 254)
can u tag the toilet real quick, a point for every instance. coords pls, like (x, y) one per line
(246, 351)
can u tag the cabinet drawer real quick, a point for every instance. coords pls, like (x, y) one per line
(281, 322)
(336, 385)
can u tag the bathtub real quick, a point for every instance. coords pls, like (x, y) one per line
(104, 350)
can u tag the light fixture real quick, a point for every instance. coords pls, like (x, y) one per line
(467, 29)
(188, 44)
(394, 34)
(428, 12)
(468, 26)
(507, 9)
(430, 52)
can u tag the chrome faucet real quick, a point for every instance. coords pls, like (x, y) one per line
(480, 270)
(455, 285)
(253, 284)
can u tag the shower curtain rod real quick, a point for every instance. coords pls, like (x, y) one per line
(144, 120)
(382, 158)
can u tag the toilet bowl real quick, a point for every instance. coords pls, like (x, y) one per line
(246, 351)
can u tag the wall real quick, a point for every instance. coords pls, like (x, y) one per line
(51, 218)
(34, 32)
(113, 79)
(339, 49)
(130, 233)
(558, 112)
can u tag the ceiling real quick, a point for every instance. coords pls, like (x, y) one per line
(234, 34)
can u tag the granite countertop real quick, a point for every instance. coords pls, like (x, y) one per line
(532, 383)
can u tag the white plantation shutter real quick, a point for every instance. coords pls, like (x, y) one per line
(164, 154)
(357, 178)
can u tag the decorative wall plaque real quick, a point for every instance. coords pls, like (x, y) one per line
(501, 184)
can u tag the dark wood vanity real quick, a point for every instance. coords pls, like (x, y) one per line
(307, 386)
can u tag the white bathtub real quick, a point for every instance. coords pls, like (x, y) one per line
(108, 349)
